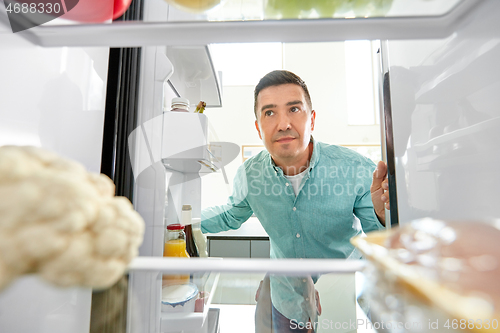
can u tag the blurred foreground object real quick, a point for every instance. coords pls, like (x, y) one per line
(194, 6)
(450, 266)
(61, 222)
(95, 11)
(293, 9)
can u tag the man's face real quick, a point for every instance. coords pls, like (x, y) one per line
(284, 121)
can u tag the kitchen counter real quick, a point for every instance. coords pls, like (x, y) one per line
(251, 229)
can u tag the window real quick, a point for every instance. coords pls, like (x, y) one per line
(243, 64)
(361, 98)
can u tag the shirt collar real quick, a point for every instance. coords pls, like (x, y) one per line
(315, 154)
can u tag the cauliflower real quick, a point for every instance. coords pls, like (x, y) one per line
(61, 222)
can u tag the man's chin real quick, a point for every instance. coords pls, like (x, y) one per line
(284, 154)
(284, 151)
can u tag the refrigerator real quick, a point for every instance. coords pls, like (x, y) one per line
(100, 94)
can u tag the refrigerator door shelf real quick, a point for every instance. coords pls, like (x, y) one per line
(190, 165)
(185, 145)
(479, 131)
(195, 77)
(175, 322)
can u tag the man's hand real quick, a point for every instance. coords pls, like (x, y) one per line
(318, 303)
(257, 293)
(380, 191)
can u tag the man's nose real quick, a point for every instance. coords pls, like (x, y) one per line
(284, 122)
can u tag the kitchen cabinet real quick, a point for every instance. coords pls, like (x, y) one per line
(229, 248)
(238, 247)
(259, 248)
(249, 241)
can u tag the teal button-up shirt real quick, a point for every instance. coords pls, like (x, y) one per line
(332, 206)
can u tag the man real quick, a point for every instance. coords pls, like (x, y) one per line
(310, 197)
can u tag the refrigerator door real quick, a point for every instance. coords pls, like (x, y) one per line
(446, 121)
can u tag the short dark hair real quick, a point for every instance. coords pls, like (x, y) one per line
(279, 77)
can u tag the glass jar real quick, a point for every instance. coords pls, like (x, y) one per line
(175, 246)
(180, 104)
(175, 241)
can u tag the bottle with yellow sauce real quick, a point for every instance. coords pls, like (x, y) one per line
(175, 246)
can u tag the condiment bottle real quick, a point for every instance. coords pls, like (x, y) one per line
(200, 107)
(175, 246)
(180, 104)
(199, 238)
(191, 248)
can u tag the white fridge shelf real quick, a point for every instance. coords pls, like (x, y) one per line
(291, 267)
(144, 266)
(137, 34)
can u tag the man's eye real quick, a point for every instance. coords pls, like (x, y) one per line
(269, 113)
(294, 109)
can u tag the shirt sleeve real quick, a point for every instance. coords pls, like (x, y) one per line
(231, 215)
(363, 205)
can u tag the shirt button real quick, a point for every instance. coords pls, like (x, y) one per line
(287, 184)
(307, 299)
(297, 235)
(294, 209)
(304, 280)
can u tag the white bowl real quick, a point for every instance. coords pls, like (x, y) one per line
(179, 298)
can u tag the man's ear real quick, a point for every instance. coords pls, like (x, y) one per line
(313, 119)
(258, 129)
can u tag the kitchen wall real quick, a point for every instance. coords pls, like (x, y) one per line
(322, 67)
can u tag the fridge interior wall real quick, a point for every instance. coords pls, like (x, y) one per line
(52, 98)
(446, 121)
